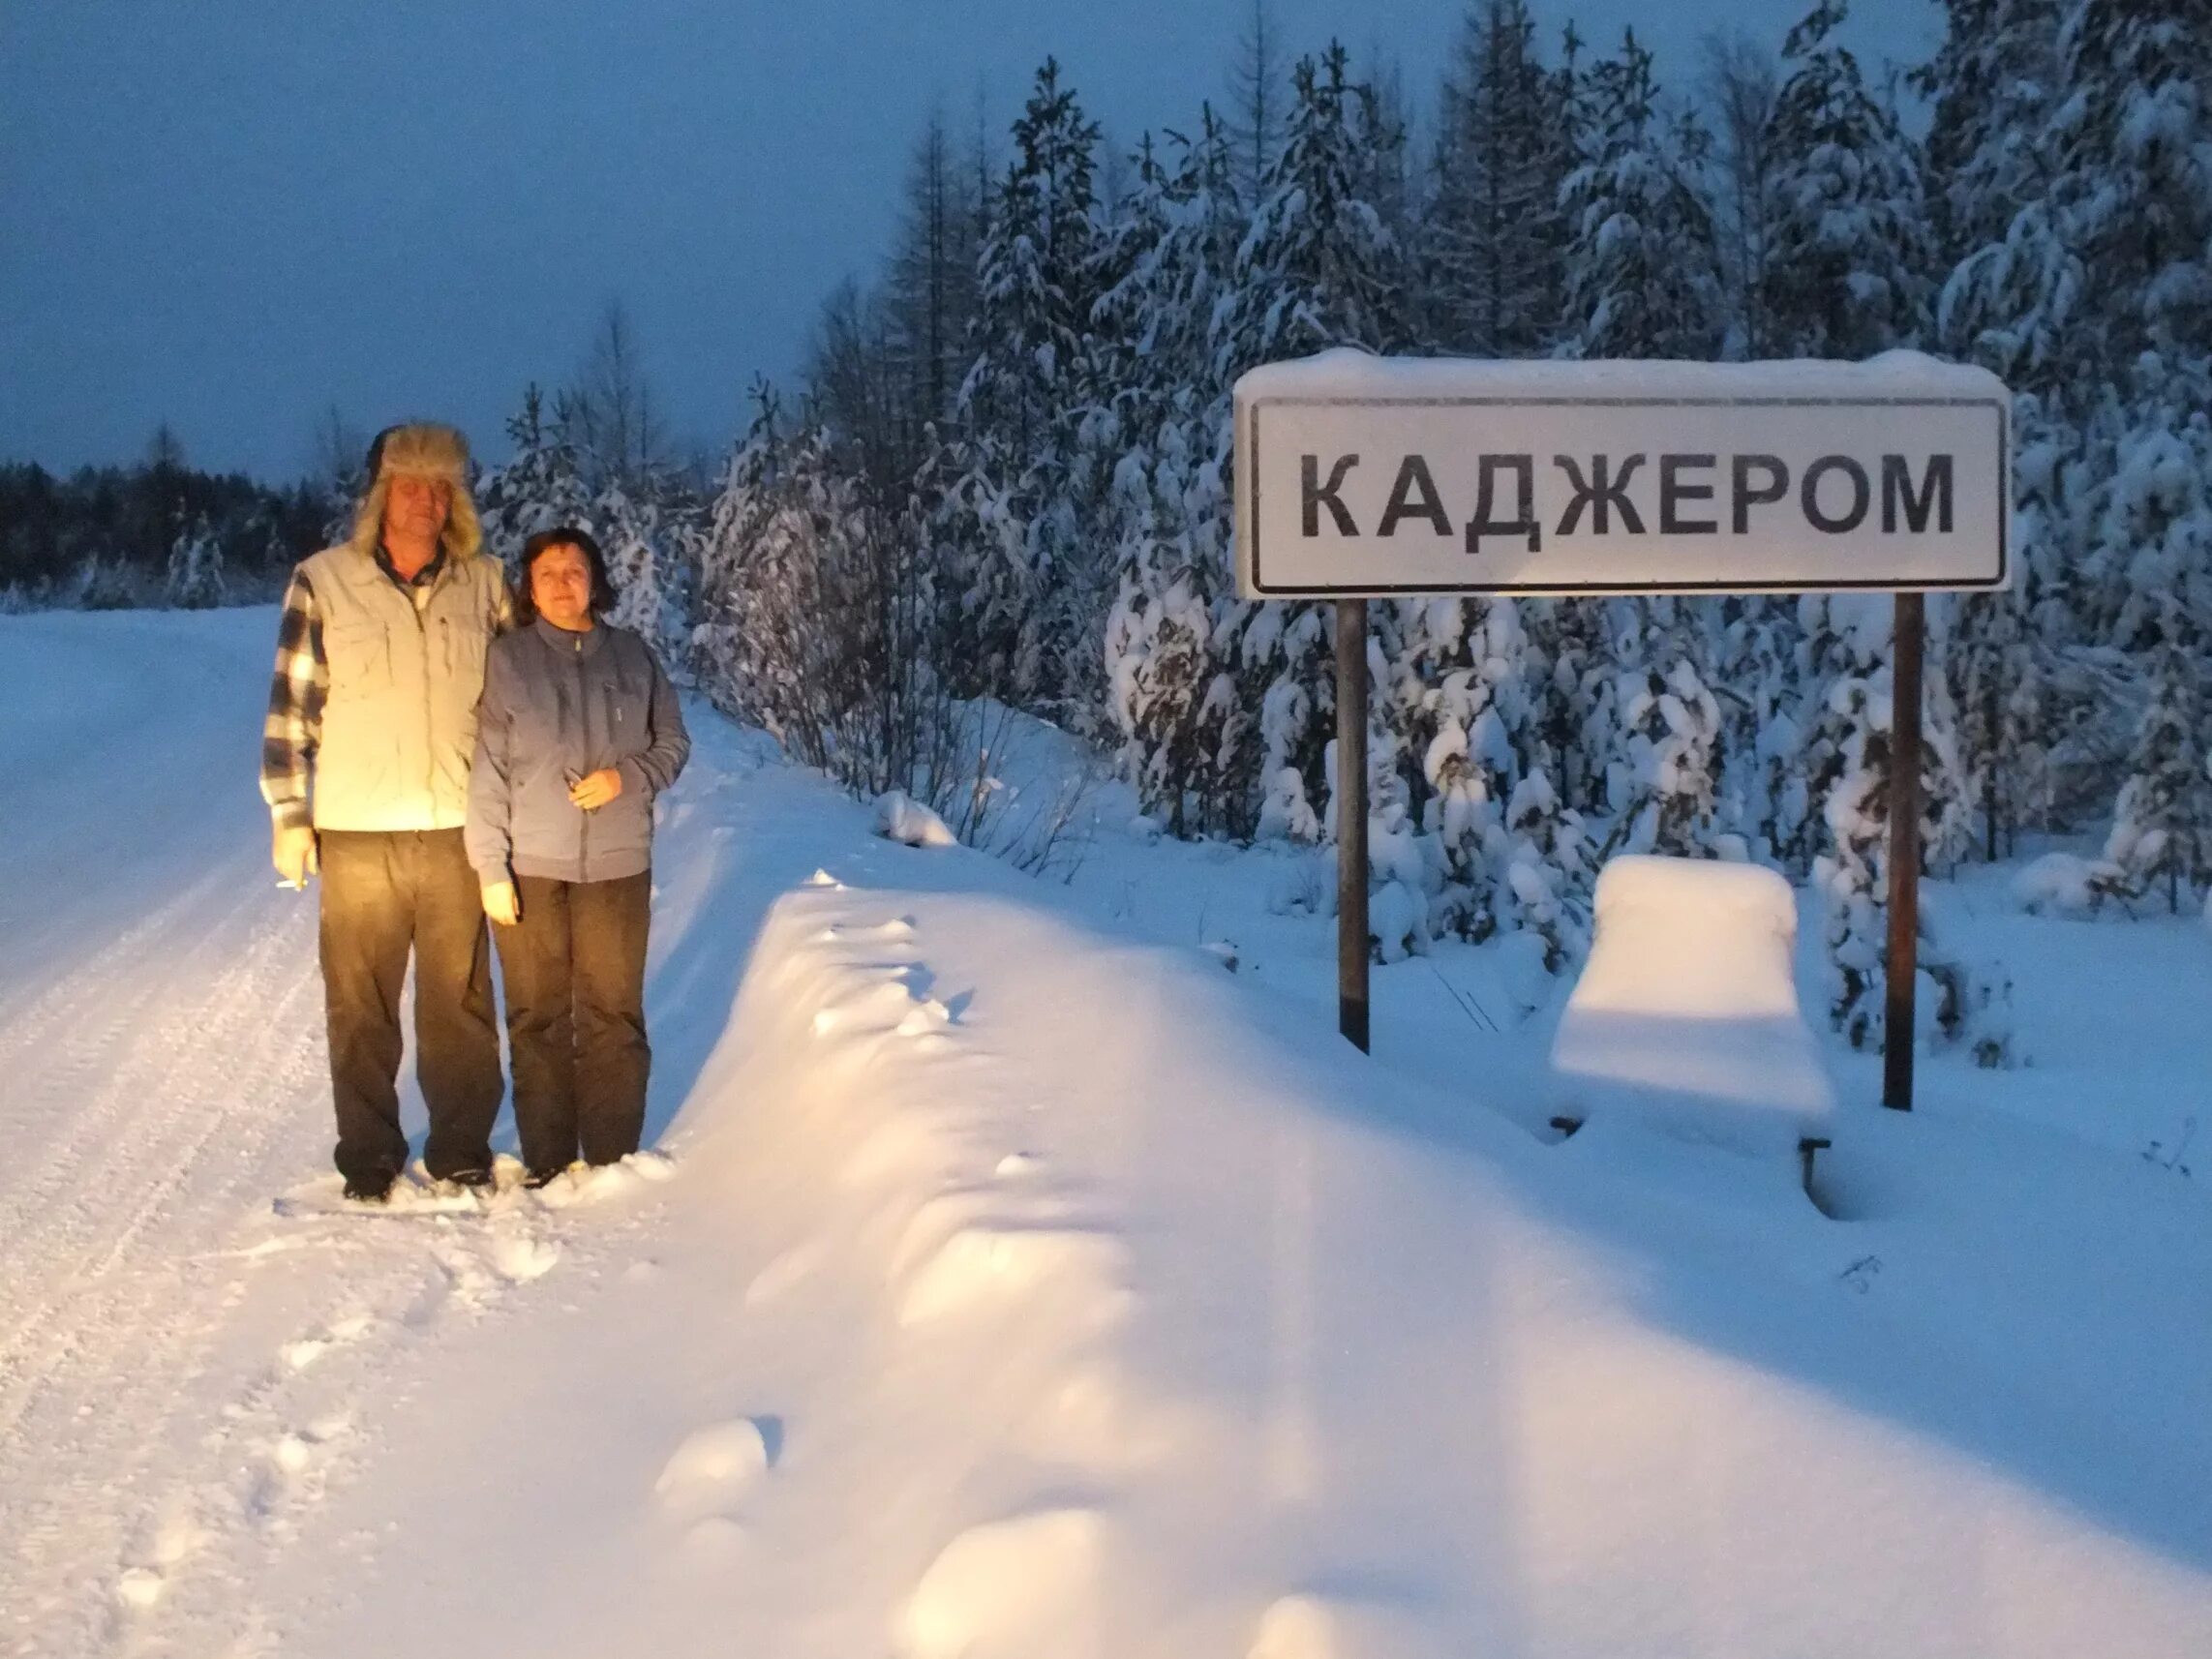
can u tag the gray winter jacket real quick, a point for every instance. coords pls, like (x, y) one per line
(555, 707)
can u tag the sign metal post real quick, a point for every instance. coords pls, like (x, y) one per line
(1908, 641)
(1351, 820)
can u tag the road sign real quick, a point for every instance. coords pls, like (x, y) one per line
(1360, 476)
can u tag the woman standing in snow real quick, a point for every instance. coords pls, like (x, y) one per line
(578, 731)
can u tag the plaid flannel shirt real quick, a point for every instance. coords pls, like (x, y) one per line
(301, 684)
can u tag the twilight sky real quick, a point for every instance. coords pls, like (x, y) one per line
(233, 214)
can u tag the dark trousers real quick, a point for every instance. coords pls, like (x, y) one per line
(573, 970)
(383, 896)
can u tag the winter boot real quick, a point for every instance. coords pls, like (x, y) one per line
(369, 1188)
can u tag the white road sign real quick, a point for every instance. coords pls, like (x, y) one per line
(1365, 476)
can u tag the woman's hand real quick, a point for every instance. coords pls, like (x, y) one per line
(594, 790)
(500, 903)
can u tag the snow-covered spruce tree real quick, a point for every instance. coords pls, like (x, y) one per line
(1672, 726)
(2010, 281)
(1641, 282)
(1510, 853)
(2096, 142)
(1492, 247)
(2162, 825)
(1157, 642)
(1125, 321)
(1185, 742)
(721, 640)
(1989, 88)
(1570, 683)
(1027, 590)
(1847, 271)
(1550, 869)
(1846, 276)
(540, 486)
(2154, 541)
(2148, 552)
(1996, 683)
(2010, 286)
(818, 619)
(1317, 268)
(1439, 706)
(1642, 267)
(644, 536)
(1763, 800)
(1848, 757)
(196, 581)
(2130, 180)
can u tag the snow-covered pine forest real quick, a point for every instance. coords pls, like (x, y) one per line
(1009, 475)
(1005, 480)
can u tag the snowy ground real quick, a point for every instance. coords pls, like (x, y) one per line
(1023, 1282)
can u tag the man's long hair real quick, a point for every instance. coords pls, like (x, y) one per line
(422, 450)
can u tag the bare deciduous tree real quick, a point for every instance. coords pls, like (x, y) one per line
(1258, 100)
(1741, 80)
(616, 417)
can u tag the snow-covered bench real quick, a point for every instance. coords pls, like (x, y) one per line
(1687, 1012)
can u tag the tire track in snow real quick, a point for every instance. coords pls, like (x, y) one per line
(180, 1076)
(184, 1096)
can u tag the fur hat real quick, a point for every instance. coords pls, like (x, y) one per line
(420, 450)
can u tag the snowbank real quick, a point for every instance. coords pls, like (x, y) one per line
(2060, 884)
(900, 817)
(1687, 1013)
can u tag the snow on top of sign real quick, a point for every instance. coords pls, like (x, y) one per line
(1346, 372)
(1687, 1013)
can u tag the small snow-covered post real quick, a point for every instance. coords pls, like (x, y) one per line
(1351, 820)
(1909, 639)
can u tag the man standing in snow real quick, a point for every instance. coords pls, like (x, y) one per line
(365, 758)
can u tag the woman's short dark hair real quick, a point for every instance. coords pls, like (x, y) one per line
(564, 535)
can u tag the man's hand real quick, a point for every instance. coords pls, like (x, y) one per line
(500, 903)
(291, 849)
(594, 790)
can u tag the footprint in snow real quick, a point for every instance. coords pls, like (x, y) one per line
(998, 1264)
(177, 1537)
(712, 1547)
(300, 1450)
(785, 1273)
(717, 1466)
(521, 1258)
(304, 1351)
(1311, 1626)
(876, 933)
(589, 1185)
(1012, 1588)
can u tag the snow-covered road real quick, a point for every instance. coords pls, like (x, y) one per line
(1015, 1287)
